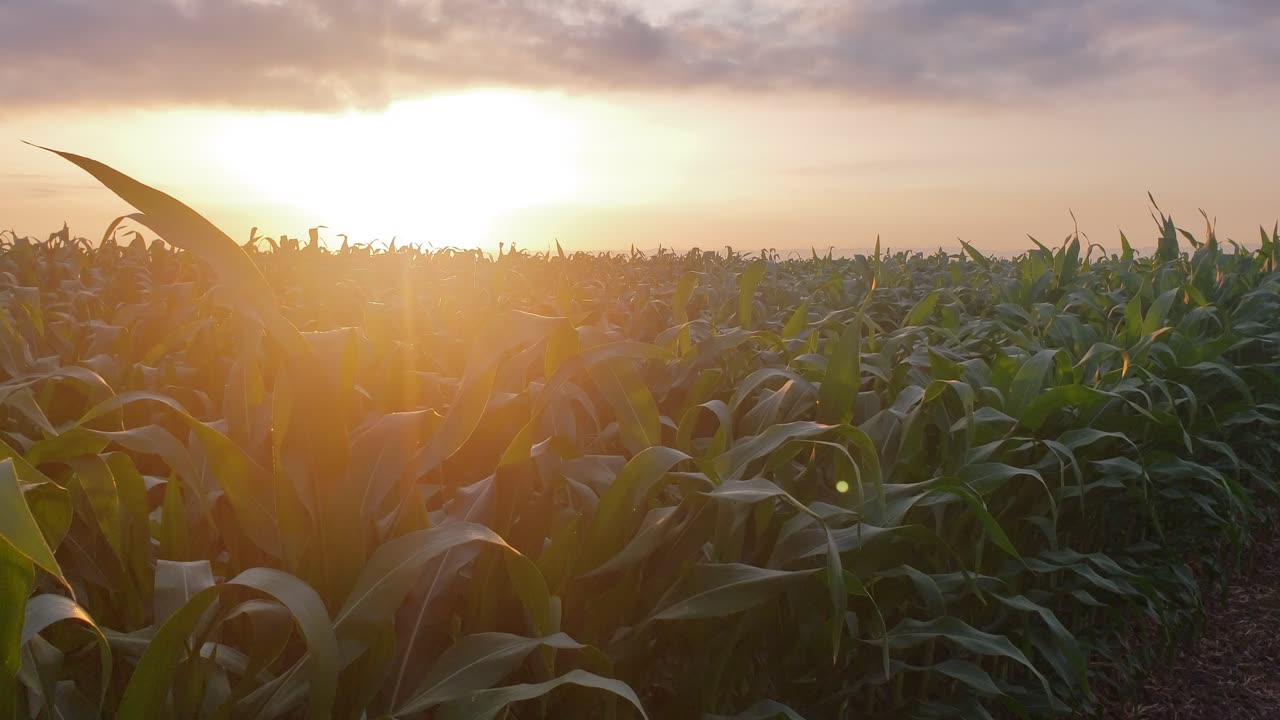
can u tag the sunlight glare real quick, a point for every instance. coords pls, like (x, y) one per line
(439, 170)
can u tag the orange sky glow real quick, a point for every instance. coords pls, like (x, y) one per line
(763, 124)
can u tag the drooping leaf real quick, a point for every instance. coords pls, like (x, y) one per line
(716, 590)
(474, 663)
(486, 704)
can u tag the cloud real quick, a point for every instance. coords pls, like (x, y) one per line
(43, 183)
(326, 54)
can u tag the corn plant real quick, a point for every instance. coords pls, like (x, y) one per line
(271, 479)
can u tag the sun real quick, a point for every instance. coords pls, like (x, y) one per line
(440, 170)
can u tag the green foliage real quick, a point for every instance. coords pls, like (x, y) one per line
(240, 482)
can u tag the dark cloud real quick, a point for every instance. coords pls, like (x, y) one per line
(321, 54)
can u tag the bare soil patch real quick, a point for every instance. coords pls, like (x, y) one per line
(1232, 672)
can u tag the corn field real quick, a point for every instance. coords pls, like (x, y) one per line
(243, 481)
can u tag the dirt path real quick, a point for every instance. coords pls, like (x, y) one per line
(1233, 671)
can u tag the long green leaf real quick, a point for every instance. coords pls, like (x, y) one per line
(475, 663)
(18, 527)
(486, 704)
(717, 590)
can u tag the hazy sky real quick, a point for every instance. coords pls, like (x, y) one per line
(756, 123)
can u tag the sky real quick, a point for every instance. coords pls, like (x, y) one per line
(610, 123)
